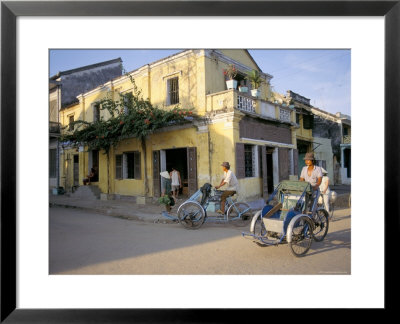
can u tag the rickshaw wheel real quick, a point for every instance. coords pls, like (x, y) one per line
(301, 236)
(239, 214)
(191, 215)
(259, 227)
(321, 224)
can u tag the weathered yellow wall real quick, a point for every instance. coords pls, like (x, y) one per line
(240, 56)
(198, 78)
(250, 188)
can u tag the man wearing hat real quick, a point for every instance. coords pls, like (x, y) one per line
(311, 173)
(231, 181)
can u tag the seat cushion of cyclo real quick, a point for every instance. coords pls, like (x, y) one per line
(288, 204)
(267, 208)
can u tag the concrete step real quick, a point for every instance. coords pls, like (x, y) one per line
(90, 192)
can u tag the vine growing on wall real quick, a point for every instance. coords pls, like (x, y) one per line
(130, 116)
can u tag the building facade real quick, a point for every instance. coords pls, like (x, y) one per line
(332, 133)
(256, 135)
(63, 89)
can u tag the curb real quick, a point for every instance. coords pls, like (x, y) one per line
(113, 214)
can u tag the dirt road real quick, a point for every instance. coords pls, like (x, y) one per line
(88, 243)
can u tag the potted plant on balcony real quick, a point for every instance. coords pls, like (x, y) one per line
(255, 79)
(243, 88)
(230, 73)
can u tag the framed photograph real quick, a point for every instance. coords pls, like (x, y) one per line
(370, 29)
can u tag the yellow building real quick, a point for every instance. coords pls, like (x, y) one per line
(255, 135)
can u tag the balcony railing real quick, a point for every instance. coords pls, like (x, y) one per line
(347, 139)
(54, 127)
(229, 100)
(246, 103)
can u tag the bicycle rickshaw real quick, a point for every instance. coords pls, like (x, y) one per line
(201, 207)
(291, 213)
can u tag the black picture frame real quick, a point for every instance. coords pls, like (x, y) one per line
(10, 10)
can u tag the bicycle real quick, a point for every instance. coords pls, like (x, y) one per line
(194, 211)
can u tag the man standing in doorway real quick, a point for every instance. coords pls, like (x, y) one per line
(231, 181)
(176, 182)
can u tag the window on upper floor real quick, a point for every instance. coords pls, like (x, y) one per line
(173, 91)
(127, 97)
(297, 118)
(71, 122)
(308, 121)
(96, 112)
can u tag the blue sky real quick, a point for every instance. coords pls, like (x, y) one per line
(320, 75)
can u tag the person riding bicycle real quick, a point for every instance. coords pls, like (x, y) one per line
(312, 174)
(232, 182)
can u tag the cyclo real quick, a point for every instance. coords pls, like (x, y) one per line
(291, 213)
(195, 211)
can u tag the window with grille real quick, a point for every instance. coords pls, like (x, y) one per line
(71, 121)
(52, 163)
(173, 91)
(298, 119)
(249, 161)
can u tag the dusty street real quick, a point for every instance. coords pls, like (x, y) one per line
(88, 243)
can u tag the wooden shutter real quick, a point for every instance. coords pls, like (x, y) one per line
(296, 161)
(264, 171)
(156, 174)
(137, 166)
(118, 166)
(284, 163)
(53, 163)
(240, 169)
(192, 170)
(76, 170)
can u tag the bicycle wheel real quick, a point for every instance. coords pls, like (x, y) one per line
(191, 215)
(301, 237)
(321, 224)
(239, 214)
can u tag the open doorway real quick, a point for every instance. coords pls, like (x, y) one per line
(177, 159)
(270, 169)
(76, 170)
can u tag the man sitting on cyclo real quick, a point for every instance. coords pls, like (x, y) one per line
(230, 179)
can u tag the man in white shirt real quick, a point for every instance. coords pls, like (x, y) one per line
(325, 190)
(311, 173)
(231, 181)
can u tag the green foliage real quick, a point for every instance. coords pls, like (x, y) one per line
(130, 116)
(164, 200)
(255, 79)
